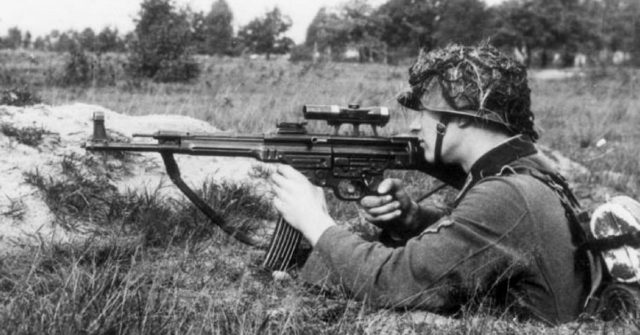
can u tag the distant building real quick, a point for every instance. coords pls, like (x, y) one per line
(352, 54)
(620, 57)
(580, 60)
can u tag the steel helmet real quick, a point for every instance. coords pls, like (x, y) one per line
(480, 82)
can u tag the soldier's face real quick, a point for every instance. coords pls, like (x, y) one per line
(424, 127)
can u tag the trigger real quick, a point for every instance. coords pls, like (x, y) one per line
(372, 185)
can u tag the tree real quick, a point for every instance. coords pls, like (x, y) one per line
(544, 25)
(326, 32)
(574, 30)
(618, 25)
(198, 33)
(14, 38)
(404, 26)
(518, 25)
(26, 40)
(408, 24)
(87, 39)
(264, 35)
(217, 29)
(352, 25)
(128, 40)
(161, 48)
(108, 41)
(40, 43)
(364, 31)
(459, 21)
(426, 24)
(62, 42)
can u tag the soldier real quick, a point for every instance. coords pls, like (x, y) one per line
(508, 241)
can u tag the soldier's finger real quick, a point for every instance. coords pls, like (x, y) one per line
(375, 220)
(371, 201)
(289, 172)
(277, 203)
(389, 185)
(371, 218)
(282, 187)
(266, 169)
(283, 196)
(278, 180)
(389, 216)
(390, 207)
(276, 190)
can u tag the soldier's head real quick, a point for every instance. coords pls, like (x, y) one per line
(473, 86)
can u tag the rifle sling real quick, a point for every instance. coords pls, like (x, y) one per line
(174, 173)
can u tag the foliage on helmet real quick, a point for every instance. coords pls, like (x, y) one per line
(479, 81)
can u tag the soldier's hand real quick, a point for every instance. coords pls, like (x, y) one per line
(300, 203)
(392, 208)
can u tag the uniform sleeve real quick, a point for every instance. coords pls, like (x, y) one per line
(440, 268)
(426, 217)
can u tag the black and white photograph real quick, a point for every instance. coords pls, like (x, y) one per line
(321, 167)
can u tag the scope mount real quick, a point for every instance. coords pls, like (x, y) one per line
(291, 128)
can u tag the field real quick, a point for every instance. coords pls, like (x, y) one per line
(153, 281)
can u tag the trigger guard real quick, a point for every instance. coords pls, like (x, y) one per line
(350, 190)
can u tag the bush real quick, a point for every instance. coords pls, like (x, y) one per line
(78, 68)
(31, 136)
(77, 194)
(19, 96)
(301, 53)
(84, 69)
(178, 70)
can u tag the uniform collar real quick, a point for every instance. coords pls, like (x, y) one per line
(492, 162)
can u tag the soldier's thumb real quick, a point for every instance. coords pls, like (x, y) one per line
(389, 186)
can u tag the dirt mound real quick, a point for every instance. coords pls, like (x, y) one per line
(25, 217)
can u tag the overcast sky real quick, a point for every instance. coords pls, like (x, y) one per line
(41, 16)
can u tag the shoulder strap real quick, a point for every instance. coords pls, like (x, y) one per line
(578, 220)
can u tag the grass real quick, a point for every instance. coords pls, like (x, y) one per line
(156, 266)
(31, 136)
(83, 196)
(577, 113)
(15, 210)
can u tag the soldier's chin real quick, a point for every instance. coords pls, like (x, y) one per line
(428, 156)
(423, 145)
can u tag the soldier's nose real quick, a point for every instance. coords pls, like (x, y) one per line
(415, 126)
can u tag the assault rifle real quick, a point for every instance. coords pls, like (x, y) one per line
(351, 165)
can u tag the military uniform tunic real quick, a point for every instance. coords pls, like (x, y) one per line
(505, 244)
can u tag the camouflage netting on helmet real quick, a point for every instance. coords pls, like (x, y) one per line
(478, 80)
